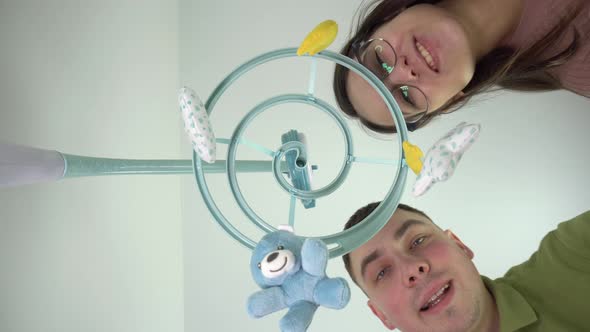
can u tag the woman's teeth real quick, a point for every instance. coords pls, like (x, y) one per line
(426, 55)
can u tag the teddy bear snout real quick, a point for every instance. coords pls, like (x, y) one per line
(272, 257)
(277, 263)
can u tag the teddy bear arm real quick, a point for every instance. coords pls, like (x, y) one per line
(332, 293)
(266, 301)
(314, 257)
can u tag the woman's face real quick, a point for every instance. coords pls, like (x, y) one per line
(433, 54)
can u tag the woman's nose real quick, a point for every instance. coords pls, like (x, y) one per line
(403, 72)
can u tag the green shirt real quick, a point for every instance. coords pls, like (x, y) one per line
(551, 290)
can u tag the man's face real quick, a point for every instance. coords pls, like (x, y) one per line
(419, 278)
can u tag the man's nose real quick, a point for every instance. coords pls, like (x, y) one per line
(415, 272)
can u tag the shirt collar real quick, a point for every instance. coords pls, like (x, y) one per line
(514, 310)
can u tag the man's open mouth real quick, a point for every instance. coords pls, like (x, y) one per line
(436, 298)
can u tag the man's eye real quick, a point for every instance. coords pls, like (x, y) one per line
(418, 241)
(382, 274)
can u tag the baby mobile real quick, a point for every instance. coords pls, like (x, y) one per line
(291, 269)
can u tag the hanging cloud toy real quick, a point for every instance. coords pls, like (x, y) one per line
(197, 124)
(413, 156)
(319, 38)
(442, 159)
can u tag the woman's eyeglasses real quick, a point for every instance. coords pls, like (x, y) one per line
(380, 58)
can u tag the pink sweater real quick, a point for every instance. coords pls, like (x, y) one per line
(538, 17)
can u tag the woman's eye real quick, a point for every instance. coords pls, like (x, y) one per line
(405, 91)
(383, 64)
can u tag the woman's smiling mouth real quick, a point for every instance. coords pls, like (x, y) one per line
(426, 55)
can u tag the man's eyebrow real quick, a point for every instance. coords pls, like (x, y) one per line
(367, 260)
(405, 226)
(399, 233)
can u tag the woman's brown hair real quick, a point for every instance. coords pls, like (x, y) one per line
(502, 68)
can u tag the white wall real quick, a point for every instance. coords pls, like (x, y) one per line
(94, 78)
(525, 174)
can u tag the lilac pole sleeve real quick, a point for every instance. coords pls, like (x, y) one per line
(26, 165)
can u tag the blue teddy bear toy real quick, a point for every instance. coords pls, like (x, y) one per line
(291, 273)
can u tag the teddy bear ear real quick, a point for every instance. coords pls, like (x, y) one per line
(287, 228)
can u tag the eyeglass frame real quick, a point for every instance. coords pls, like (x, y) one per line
(359, 45)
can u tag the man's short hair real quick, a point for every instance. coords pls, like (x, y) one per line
(361, 214)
